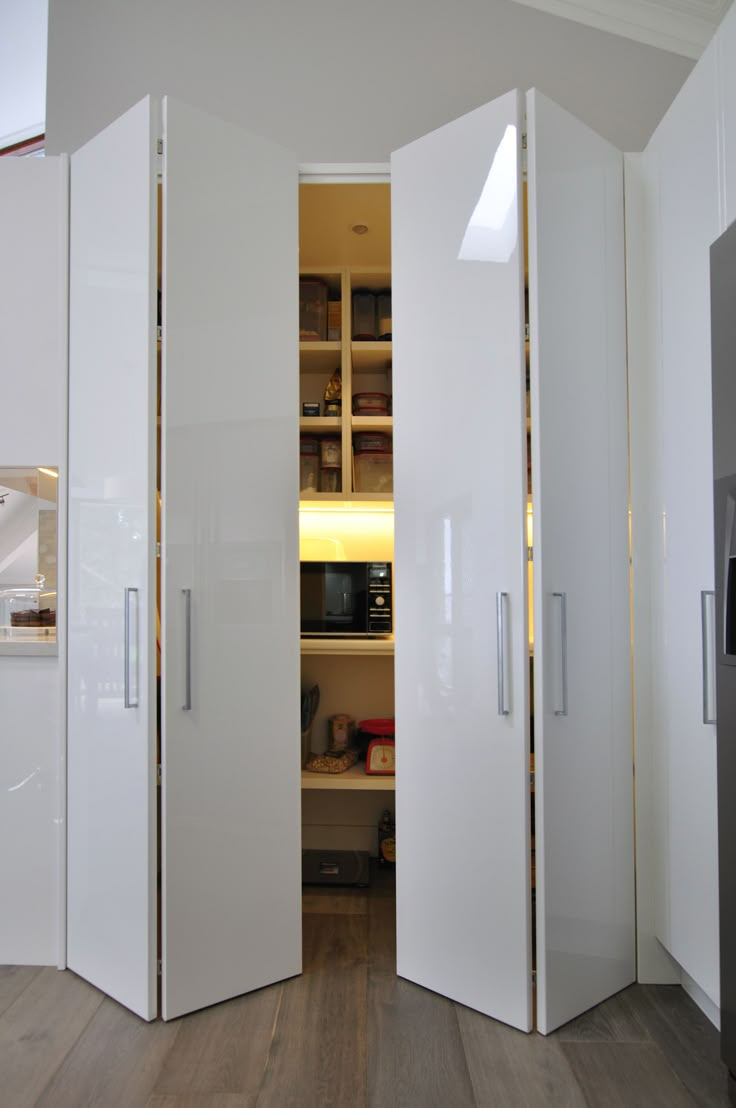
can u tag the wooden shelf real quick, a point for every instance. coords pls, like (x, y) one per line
(353, 778)
(383, 497)
(317, 424)
(354, 647)
(316, 497)
(372, 423)
(370, 357)
(319, 357)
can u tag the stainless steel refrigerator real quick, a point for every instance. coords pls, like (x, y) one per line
(723, 333)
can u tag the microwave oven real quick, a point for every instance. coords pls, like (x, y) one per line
(346, 599)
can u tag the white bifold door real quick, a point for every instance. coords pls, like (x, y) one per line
(225, 868)
(465, 904)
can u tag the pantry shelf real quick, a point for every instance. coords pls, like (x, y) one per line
(319, 357)
(370, 357)
(366, 647)
(353, 778)
(372, 423)
(315, 424)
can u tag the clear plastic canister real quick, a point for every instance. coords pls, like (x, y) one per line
(364, 314)
(383, 315)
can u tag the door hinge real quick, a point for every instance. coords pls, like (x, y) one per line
(523, 140)
(158, 549)
(531, 779)
(159, 968)
(158, 775)
(530, 553)
(160, 146)
(534, 978)
(159, 333)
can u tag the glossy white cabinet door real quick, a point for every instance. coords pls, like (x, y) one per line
(231, 854)
(687, 154)
(463, 870)
(582, 688)
(112, 470)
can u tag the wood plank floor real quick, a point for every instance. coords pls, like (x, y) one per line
(346, 1034)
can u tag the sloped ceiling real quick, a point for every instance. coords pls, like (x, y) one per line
(681, 26)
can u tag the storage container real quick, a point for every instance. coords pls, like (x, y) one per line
(330, 479)
(383, 315)
(371, 442)
(374, 472)
(330, 451)
(312, 310)
(370, 403)
(308, 463)
(334, 319)
(308, 473)
(364, 315)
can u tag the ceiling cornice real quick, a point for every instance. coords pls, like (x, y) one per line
(681, 26)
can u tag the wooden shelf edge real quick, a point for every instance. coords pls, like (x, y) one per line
(315, 424)
(372, 423)
(354, 778)
(356, 647)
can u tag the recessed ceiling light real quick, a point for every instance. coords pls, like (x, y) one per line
(359, 229)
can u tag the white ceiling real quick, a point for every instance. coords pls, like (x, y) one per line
(681, 26)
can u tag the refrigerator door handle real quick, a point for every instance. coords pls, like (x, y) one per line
(707, 625)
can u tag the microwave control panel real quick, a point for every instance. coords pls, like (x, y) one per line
(380, 614)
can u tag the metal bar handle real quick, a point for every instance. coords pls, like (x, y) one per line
(187, 706)
(562, 597)
(128, 701)
(501, 598)
(706, 623)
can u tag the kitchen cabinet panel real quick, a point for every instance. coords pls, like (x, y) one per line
(111, 914)
(582, 696)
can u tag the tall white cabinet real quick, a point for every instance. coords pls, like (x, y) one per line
(220, 876)
(225, 867)
(462, 687)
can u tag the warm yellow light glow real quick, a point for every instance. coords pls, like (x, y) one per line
(347, 507)
(49, 472)
(361, 534)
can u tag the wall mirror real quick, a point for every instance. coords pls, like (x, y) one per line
(28, 554)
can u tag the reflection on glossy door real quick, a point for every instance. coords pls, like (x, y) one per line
(463, 876)
(582, 672)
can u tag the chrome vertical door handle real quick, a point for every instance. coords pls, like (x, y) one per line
(501, 601)
(562, 597)
(128, 701)
(707, 612)
(187, 705)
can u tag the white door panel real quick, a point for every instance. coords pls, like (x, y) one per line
(463, 881)
(687, 154)
(111, 746)
(583, 739)
(231, 762)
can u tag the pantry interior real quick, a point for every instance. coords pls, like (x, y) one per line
(344, 250)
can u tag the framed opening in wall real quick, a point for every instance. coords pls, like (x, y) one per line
(28, 558)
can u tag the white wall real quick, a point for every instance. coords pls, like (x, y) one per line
(33, 323)
(22, 69)
(347, 81)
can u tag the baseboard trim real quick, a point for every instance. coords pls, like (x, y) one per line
(701, 998)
